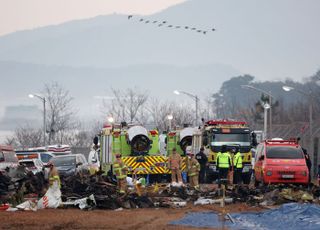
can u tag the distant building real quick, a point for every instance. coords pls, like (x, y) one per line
(15, 116)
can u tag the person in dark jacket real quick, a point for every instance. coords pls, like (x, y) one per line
(203, 160)
(307, 158)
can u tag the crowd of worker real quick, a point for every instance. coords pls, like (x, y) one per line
(227, 162)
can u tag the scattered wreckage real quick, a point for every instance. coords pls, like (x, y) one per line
(24, 190)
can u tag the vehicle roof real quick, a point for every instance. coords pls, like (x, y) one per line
(6, 148)
(279, 142)
(68, 155)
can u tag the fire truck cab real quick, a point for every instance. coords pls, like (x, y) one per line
(280, 161)
(233, 134)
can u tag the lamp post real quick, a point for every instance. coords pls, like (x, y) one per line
(43, 99)
(310, 97)
(270, 103)
(170, 117)
(194, 97)
(266, 106)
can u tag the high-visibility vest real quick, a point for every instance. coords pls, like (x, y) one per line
(237, 160)
(55, 178)
(119, 169)
(224, 159)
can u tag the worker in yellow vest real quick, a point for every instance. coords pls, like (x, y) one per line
(120, 170)
(223, 163)
(54, 177)
(237, 167)
(193, 168)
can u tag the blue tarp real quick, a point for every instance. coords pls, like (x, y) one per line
(291, 216)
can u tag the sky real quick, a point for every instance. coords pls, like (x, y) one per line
(18, 15)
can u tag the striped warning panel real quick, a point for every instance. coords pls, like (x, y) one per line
(149, 164)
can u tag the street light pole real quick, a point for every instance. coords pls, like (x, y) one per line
(43, 99)
(310, 97)
(270, 103)
(170, 117)
(194, 97)
(266, 106)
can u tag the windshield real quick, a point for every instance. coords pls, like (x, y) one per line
(233, 138)
(284, 152)
(64, 161)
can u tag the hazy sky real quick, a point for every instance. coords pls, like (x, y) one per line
(28, 14)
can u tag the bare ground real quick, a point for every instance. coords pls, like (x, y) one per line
(107, 219)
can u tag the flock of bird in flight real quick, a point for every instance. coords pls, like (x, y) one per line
(166, 24)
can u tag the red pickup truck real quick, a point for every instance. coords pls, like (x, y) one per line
(280, 161)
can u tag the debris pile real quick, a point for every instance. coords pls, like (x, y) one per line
(98, 191)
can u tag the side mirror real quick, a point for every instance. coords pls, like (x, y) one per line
(1, 157)
(261, 158)
(78, 164)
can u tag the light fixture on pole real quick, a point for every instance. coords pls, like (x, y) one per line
(170, 117)
(194, 97)
(266, 106)
(270, 102)
(110, 119)
(310, 98)
(43, 99)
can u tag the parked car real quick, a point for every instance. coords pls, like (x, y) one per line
(37, 153)
(280, 161)
(33, 165)
(8, 157)
(71, 164)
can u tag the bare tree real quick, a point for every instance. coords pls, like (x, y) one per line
(126, 104)
(60, 112)
(26, 137)
(159, 113)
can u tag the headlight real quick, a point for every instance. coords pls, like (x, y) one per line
(269, 173)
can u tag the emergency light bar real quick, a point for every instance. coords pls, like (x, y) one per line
(225, 122)
(281, 141)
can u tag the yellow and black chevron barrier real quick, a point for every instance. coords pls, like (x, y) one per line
(149, 164)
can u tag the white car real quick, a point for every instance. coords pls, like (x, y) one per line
(33, 165)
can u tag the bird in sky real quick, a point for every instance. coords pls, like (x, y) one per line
(204, 32)
(141, 19)
(177, 27)
(213, 29)
(146, 21)
(193, 28)
(169, 25)
(130, 16)
(186, 27)
(164, 22)
(155, 21)
(160, 24)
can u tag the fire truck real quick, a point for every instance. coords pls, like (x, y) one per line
(216, 133)
(140, 150)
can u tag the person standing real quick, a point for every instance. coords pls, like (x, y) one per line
(120, 170)
(193, 167)
(203, 160)
(237, 167)
(174, 164)
(223, 163)
(53, 176)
